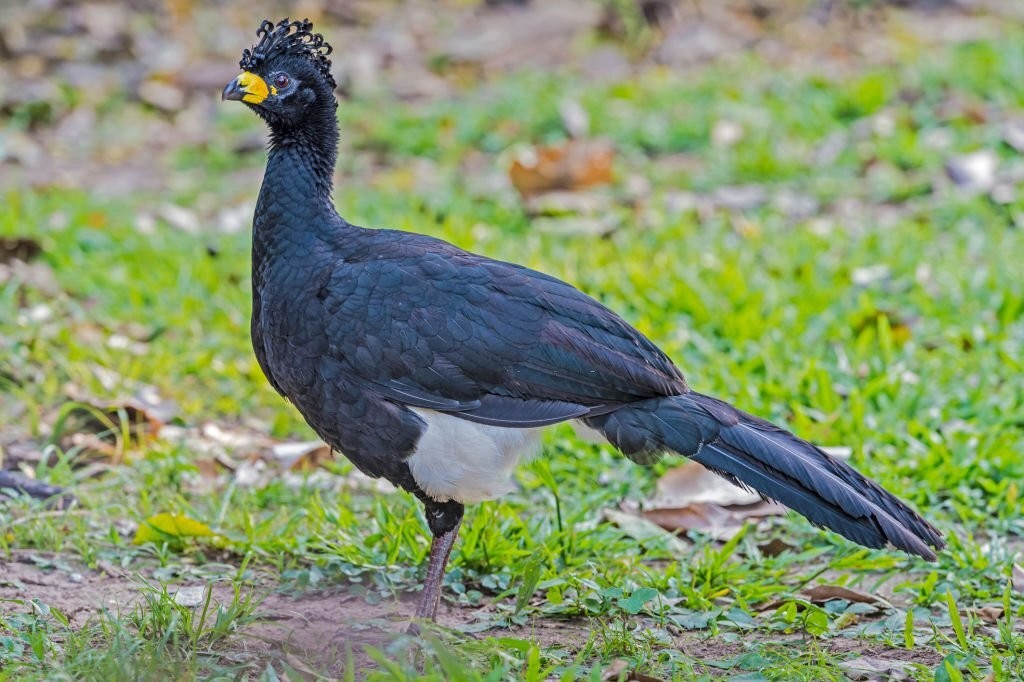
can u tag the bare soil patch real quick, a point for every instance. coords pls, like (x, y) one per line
(315, 630)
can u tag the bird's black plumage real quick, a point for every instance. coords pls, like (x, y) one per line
(363, 329)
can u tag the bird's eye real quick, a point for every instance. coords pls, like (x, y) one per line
(281, 81)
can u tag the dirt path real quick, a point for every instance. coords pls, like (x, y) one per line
(313, 630)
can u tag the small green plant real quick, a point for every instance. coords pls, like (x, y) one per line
(184, 630)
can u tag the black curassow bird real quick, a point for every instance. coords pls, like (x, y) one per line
(436, 368)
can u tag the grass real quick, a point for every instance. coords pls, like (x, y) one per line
(888, 320)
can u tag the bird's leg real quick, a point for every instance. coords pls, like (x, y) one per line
(444, 519)
(440, 549)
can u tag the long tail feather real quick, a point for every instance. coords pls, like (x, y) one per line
(754, 453)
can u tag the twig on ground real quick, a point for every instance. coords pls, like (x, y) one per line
(19, 483)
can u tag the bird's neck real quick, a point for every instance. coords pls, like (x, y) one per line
(301, 162)
(295, 200)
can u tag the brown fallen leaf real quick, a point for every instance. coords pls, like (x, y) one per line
(697, 516)
(108, 427)
(22, 249)
(775, 547)
(691, 482)
(643, 530)
(819, 594)
(689, 497)
(718, 521)
(573, 165)
(105, 430)
(247, 455)
(210, 468)
(991, 614)
(304, 456)
(141, 395)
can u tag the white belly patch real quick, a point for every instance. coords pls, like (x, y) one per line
(468, 462)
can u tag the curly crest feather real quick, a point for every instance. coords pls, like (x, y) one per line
(289, 37)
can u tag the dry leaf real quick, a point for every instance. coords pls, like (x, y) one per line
(819, 594)
(19, 248)
(107, 430)
(16, 256)
(101, 425)
(991, 614)
(775, 547)
(690, 497)
(249, 457)
(239, 440)
(1017, 578)
(691, 482)
(210, 468)
(190, 597)
(574, 165)
(718, 521)
(869, 668)
(304, 456)
(642, 530)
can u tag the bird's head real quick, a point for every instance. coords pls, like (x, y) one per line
(286, 76)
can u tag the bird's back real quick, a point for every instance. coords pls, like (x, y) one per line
(427, 323)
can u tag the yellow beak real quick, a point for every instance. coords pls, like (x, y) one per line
(247, 87)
